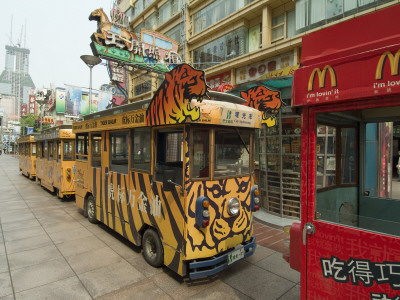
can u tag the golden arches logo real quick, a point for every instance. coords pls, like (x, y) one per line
(321, 77)
(393, 62)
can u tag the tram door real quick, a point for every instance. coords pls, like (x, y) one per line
(352, 234)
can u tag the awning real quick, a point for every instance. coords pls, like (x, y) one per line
(270, 83)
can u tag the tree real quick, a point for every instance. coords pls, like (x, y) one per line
(28, 121)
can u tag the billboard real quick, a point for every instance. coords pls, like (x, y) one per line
(73, 100)
(60, 101)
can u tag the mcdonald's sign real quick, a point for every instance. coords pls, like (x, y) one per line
(322, 77)
(393, 63)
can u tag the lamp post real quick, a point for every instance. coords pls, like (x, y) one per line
(40, 101)
(90, 61)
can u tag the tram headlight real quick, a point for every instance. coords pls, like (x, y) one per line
(233, 206)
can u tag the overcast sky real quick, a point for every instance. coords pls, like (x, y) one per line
(57, 34)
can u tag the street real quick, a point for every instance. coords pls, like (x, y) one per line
(49, 250)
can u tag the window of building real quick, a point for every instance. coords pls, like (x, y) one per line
(119, 151)
(141, 143)
(216, 11)
(96, 150)
(227, 47)
(315, 13)
(165, 12)
(151, 22)
(138, 8)
(282, 24)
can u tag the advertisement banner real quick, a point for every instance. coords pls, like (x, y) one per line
(117, 96)
(73, 100)
(29, 130)
(105, 99)
(215, 81)
(32, 102)
(60, 101)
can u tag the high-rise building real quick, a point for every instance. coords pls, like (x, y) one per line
(244, 43)
(15, 79)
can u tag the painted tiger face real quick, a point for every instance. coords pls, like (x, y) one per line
(171, 102)
(265, 100)
(224, 231)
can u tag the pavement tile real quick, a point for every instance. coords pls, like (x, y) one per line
(69, 235)
(69, 288)
(41, 274)
(110, 278)
(2, 249)
(255, 282)
(16, 217)
(277, 265)
(29, 243)
(9, 297)
(293, 293)
(62, 226)
(94, 259)
(18, 234)
(220, 291)
(143, 267)
(5, 284)
(32, 257)
(3, 264)
(144, 289)
(79, 246)
(20, 224)
(260, 253)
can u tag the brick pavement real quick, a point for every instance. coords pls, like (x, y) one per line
(49, 250)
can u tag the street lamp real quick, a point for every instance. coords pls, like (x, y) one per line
(40, 101)
(90, 61)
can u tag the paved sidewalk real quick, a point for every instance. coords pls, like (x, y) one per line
(48, 250)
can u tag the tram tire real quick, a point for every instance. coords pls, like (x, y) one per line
(91, 210)
(153, 251)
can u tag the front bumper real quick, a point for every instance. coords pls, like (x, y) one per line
(215, 264)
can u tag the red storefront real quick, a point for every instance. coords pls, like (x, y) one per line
(349, 90)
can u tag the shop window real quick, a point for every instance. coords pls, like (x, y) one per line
(201, 153)
(96, 150)
(119, 151)
(82, 145)
(357, 153)
(141, 149)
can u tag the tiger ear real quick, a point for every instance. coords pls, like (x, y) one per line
(168, 77)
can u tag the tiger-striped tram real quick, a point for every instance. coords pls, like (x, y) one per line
(174, 175)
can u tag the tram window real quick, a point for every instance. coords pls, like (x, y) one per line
(39, 150)
(68, 150)
(169, 157)
(46, 149)
(58, 151)
(33, 149)
(201, 153)
(51, 150)
(119, 151)
(96, 150)
(232, 150)
(82, 146)
(141, 143)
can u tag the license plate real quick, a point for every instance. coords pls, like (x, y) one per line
(235, 255)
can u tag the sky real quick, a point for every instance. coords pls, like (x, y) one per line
(57, 34)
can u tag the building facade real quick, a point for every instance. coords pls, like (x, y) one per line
(245, 43)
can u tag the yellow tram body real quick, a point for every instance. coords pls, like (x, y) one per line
(27, 156)
(55, 160)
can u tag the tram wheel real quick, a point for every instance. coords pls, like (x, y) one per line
(153, 251)
(91, 210)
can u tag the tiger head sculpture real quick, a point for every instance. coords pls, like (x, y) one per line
(265, 100)
(171, 102)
